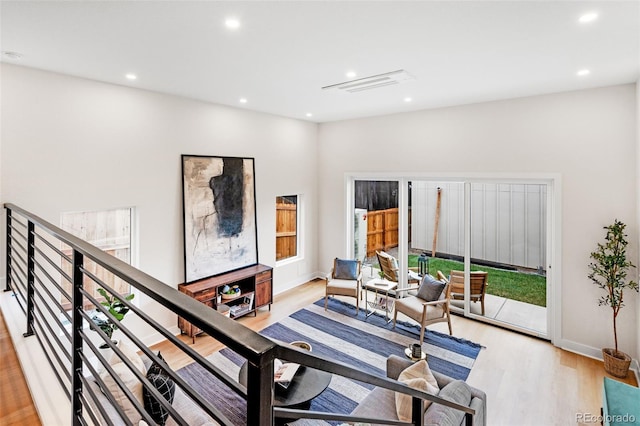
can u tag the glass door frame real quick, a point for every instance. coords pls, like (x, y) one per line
(553, 229)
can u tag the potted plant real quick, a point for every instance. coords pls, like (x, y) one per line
(609, 272)
(116, 308)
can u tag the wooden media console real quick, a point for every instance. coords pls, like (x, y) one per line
(256, 290)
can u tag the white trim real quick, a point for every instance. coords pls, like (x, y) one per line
(349, 193)
(635, 367)
(595, 353)
(467, 248)
(282, 288)
(454, 177)
(554, 260)
(403, 234)
(288, 261)
(299, 234)
(134, 238)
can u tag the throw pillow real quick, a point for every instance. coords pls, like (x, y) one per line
(394, 263)
(129, 351)
(156, 368)
(455, 391)
(131, 382)
(167, 388)
(417, 376)
(128, 378)
(430, 289)
(345, 269)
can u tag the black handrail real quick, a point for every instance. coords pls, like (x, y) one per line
(259, 351)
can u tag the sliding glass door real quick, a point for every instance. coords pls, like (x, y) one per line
(508, 242)
(490, 238)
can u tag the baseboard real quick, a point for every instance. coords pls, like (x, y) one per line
(580, 349)
(635, 367)
(297, 282)
(156, 337)
(595, 353)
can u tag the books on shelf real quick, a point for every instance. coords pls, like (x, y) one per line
(242, 308)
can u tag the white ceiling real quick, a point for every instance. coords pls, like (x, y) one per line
(459, 52)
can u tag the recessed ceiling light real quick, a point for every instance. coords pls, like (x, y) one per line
(408, 99)
(131, 76)
(588, 17)
(582, 73)
(232, 23)
(309, 114)
(12, 55)
(243, 100)
(351, 74)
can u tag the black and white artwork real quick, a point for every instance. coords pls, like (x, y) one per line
(220, 232)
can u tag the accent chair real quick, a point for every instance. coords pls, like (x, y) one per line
(429, 306)
(389, 267)
(478, 286)
(345, 280)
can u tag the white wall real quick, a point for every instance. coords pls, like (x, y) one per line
(72, 144)
(588, 137)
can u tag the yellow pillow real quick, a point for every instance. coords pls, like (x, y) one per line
(417, 376)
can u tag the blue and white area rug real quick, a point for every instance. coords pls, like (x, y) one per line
(341, 335)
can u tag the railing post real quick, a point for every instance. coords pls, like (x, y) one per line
(260, 392)
(30, 276)
(7, 280)
(76, 340)
(417, 411)
(468, 419)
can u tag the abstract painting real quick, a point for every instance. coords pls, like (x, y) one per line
(219, 207)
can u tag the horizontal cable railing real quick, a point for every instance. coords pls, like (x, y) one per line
(102, 381)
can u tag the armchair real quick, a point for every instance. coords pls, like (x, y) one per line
(429, 306)
(478, 286)
(389, 267)
(345, 280)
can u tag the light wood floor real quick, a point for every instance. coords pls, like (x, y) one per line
(528, 381)
(16, 406)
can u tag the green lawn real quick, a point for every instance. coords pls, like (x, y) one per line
(528, 288)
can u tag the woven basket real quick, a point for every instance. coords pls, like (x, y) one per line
(616, 363)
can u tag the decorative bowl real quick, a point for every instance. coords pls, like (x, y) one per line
(302, 345)
(230, 296)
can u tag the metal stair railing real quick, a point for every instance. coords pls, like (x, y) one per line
(37, 266)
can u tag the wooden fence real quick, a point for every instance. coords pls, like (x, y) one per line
(382, 230)
(286, 235)
(91, 287)
(110, 231)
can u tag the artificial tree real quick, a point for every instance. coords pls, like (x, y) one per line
(609, 272)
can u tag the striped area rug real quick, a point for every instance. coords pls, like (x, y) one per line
(341, 335)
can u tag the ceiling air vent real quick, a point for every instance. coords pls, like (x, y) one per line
(373, 82)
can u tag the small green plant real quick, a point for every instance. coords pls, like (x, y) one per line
(116, 308)
(609, 271)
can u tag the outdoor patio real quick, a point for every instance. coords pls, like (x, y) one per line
(519, 314)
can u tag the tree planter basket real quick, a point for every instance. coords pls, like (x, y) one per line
(616, 364)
